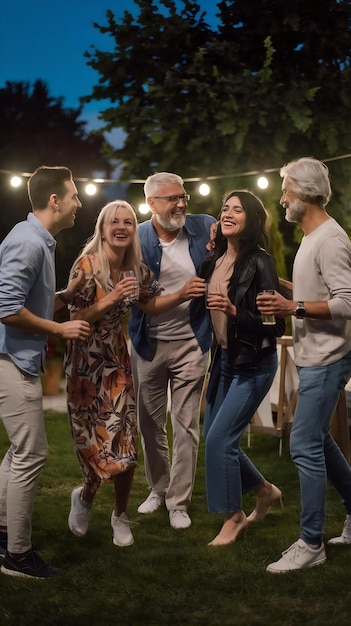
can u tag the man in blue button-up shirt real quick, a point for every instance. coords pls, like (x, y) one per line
(171, 349)
(27, 304)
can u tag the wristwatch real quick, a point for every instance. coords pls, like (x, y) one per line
(300, 311)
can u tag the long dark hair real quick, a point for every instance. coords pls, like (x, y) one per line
(253, 236)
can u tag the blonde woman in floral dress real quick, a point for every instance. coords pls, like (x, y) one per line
(100, 395)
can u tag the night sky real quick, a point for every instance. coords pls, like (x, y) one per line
(47, 40)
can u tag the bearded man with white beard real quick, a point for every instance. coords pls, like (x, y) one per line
(171, 351)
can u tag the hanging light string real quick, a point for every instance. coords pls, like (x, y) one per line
(186, 180)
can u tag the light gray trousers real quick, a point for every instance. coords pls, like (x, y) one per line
(181, 366)
(22, 414)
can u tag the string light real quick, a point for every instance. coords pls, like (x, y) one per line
(204, 189)
(262, 182)
(16, 181)
(92, 182)
(144, 209)
(90, 189)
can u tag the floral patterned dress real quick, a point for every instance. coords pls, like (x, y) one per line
(100, 395)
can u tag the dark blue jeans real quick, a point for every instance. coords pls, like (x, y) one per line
(229, 472)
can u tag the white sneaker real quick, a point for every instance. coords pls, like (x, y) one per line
(152, 503)
(78, 519)
(121, 530)
(345, 536)
(299, 556)
(179, 519)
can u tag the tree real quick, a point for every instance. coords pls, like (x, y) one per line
(270, 82)
(37, 130)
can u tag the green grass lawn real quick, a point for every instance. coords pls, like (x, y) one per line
(167, 576)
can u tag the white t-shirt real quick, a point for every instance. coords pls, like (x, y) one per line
(176, 268)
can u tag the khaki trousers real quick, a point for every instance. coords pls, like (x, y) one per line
(181, 366)
(22, 414)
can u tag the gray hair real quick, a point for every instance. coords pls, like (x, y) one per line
(310, 179)
(160, 178)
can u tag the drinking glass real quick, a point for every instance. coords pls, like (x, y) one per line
(216, 288)
(267, 320)
(135, 295)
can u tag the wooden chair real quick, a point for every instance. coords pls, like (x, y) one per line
(281, 398)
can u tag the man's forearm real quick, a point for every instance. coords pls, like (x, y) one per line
(28, 322)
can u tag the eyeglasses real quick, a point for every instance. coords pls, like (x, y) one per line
(174, 199)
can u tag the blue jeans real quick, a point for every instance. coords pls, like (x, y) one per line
(312, 448)
(229, 472)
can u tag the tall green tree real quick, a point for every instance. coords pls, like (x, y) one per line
(35, 130)
(270, 81)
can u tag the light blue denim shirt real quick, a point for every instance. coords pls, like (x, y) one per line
(27, 279)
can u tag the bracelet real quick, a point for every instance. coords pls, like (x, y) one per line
(62, 298)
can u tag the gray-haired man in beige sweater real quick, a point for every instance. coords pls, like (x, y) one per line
(321, 310)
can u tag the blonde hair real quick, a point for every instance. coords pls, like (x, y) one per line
(132, 258)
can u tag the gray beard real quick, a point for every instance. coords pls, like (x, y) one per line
(172, 223)
(295, 212)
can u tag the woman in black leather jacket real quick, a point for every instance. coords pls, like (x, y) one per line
(245, 361)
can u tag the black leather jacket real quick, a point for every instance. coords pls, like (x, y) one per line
(248, 339)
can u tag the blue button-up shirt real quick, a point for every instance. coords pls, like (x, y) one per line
(27, 279)
(197, 228)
